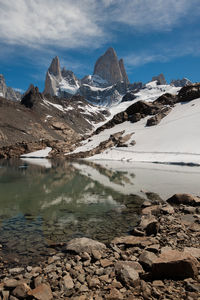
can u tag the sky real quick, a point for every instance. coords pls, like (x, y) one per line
(152, 36)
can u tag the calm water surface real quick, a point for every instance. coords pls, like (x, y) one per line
(43, 202)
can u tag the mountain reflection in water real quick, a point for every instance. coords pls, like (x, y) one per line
(58, 200)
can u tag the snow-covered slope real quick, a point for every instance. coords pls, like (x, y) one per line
(174, 140)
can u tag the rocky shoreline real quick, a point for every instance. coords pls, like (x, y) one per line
(159, 260)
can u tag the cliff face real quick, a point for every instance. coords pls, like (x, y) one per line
(8, 92)
(109, 68)
(123, 71)
(53, 77)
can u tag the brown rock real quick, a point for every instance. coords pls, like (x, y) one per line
(193, 251)
(174, 264)
(155, 120)
(154, 210)
(11, 283)
(93, 282)
(147, 259)
(68, 282)
(132, 264)
(42, 292)
(21, 290)
(114, 295)
(127, 274)
(106, 262)
(134, 241)
(184, 199)
(150, 224)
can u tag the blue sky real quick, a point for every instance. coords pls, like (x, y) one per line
(152, 36)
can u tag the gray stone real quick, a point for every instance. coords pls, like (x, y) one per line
(68, 282)
(80, 245)
(146, 259)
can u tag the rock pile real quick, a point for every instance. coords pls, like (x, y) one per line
(159, 260)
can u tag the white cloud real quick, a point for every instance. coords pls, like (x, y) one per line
(150, 15)
(85, 23)
(37, 23)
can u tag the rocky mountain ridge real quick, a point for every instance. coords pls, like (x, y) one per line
(106, 87)
(8, 92)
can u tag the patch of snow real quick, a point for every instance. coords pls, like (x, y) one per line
(1, 95)
(43, 162)
(95, 88)
(68, 108)
(174, 140)
(58, 106)
(66, 87)
(38, 154)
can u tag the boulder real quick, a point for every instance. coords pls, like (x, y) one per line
(146, 259)
(68, 282)
(166, 99)
(174, 264)
(155, 120)
(21, 290)
(132, 264)
(127, 273)
(189, 92)
(186, 199)
(149, 224)
(84, 244)
(41, 292)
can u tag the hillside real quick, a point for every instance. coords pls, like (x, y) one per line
(169, 138)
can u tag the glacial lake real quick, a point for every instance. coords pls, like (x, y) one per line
(46, 202)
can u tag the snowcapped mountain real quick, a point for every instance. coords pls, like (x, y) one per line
(161, 124)
(106, 87)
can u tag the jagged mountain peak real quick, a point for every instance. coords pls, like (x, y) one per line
(108, 67)
(7, 92)
(55, 67)
(31, 96)
(160, 79)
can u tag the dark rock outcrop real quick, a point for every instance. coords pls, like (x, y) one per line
(189, 92)
(186, 199)
(31, 96)
(166, 99)
(155, 120)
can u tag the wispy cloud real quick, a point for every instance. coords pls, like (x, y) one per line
(148, 15)
(165, 52)
(36, 23)
(85, 23)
